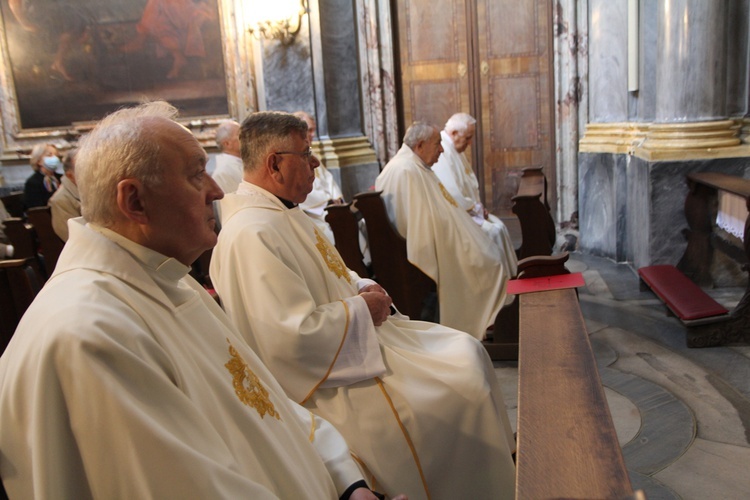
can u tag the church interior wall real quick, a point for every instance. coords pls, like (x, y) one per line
(621, 195)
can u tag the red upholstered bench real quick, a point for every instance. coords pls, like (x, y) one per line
(683, 297)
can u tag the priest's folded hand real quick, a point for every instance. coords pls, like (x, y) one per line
(379, 305)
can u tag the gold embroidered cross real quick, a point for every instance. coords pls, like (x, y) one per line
(247, 385)
(332, 258)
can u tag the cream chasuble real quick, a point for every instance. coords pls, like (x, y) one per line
(126, 380)
(420, 407)
(443, 241)
(325, 188)
(456, 174)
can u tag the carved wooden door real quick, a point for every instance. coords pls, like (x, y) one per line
(492, 59)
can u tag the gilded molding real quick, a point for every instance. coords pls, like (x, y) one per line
(669, 141)
(345, 151)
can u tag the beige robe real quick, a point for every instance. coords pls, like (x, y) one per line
(456, 174)
(64, 204)
(228, 172)
(325, 188)
(418, 403)
(443, 241)
(126, 380)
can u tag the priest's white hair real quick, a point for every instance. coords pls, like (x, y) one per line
(459, 122)
(226, 130)
(418, 132)
(121, 146)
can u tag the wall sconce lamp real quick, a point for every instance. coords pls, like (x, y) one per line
(277, 20)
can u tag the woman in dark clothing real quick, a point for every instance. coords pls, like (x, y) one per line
(45, 179)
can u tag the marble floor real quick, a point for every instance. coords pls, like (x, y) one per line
(682, 415)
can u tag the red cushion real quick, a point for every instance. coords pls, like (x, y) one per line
(682, 296)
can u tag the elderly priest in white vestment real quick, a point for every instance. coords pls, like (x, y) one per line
(418, 403)
(228, 171)
(455, 173)
(325, 190)
(125, 379)
(441, 239)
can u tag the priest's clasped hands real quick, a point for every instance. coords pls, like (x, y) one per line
(378, 302)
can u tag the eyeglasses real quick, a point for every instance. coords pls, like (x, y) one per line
(306, 155)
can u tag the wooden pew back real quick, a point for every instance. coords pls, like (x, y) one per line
(406, 284)
(50, 243)
(538, 231)
(345, 226)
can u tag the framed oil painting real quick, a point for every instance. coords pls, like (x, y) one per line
(67, 63)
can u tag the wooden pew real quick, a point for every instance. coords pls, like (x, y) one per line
(13, 203)
(19, 284)
(409, 287)
(49, 242)
(344, 223)
(713, 327)
(538, 231)
(567, 446)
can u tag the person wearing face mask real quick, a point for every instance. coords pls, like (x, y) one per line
(45, 180)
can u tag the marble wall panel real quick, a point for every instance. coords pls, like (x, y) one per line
(287, 73)
(597, 200)
(339, 44)
(358, 178)
(608, 61)
(632, 209)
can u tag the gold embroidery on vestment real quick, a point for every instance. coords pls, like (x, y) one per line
(468, 170)
(247, 385)
(331, 256)
(447, 195)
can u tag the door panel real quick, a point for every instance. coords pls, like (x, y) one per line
(492, 59)
(514, 47)
(433, 56)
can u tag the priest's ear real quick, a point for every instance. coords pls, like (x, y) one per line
(272, 166)
(130, 200)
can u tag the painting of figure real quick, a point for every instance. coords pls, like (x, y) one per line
(77, 60)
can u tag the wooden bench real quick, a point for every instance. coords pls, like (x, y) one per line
(409, 287)
(344, 222)
(49, 242)
(700, 212)
(567, 446)
(19, 284)
(538, 232)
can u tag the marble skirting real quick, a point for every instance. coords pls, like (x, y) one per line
(632, 209)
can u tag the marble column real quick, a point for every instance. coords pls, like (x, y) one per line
(685, 117)
(345, 149)
(691, 72)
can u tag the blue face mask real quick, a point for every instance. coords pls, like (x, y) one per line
(51, 163)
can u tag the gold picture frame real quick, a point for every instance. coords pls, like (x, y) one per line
(65, 65)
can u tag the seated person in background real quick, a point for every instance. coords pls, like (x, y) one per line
(228, 171)
(455, 173)
(441, 239)
(45, 180)
(148, 391)
(418, 403)
(325, 189)
(6, 249)
(65, 203)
